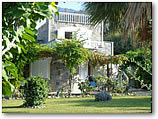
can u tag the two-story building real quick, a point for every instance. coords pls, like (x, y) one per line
(63, 26)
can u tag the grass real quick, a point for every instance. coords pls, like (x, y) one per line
(124, 104)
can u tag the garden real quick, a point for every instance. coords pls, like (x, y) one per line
(99, 94)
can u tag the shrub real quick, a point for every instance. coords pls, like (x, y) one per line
(85, 88)
(103, 96)
(35, 91)
(112, 85)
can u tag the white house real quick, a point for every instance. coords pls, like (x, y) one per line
(63, 26)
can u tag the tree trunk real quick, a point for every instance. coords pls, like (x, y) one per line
(70, 82)
(108, 73)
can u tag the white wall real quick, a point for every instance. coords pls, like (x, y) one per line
(83, 71)
(85, 32)
(41, 67)
(99, 70)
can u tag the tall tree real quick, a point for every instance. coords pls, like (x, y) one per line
(130, 18)
(19, 38)
(134, 19)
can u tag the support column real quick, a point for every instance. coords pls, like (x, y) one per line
(102, 33)
(112, 48)
(48, 30)
(108, 73)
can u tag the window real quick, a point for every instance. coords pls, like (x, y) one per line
(68, 35)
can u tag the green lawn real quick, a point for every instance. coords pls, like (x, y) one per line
(123, 104)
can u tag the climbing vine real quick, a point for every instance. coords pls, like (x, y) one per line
(73, 55)
(19, 39)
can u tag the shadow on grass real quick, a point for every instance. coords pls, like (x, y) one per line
(127, 102)
(10, 107)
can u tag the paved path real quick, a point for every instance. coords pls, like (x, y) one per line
(140, 91)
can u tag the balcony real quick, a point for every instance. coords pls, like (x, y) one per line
(104, 47)
(72, 18)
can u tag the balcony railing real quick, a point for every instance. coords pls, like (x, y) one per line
(104, 47)
(72, 18)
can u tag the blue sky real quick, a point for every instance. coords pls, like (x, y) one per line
(71, 5)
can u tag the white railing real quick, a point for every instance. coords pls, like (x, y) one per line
(93, 44)
(103, 47)
(72, 18)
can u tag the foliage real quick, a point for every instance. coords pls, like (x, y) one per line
(96, 58)
(103, 96)
(45, 51)
(11, 68)
(111, 13)
(72, 53)
(142, 80)
(142, 57)
(139, 66)
(132, 19)
(35, 91)
(85, 87)
(126, 17)
(121, 87)
(104, 83)
(111, 85)
(117, 85)
(121, 45)
(19, 38)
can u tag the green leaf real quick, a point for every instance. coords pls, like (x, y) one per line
(33, 25)
(39, 3)
(10, 66)
(10, 54)
(28, 22)
(53, 8)
(57, 13)
(4, 74)
(29, 31)
(26, 15)
(53, 3)
(28, 37)
(22, 47)
(7, 56)
(7, 88)
(19, 49)
(7, 41)
(19, 32)
(18, 13)
(41, 13)
(17, 38)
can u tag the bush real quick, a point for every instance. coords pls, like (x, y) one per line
(85, 88)
(103, 96)
(35, 91)
(105, 84)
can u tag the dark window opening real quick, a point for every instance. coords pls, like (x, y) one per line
(57, 83)
(58, 73)
(68, 35)
(40, 41)
(89, 69)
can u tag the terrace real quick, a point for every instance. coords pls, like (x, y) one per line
(72, 18)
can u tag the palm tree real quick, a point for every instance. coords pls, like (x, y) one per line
(127, 17)
(108, 12)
